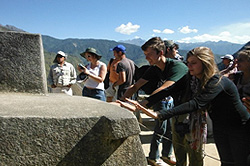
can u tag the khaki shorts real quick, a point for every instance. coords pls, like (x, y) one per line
(65, 90)
(110, 92)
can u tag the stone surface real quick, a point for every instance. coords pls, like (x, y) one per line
(58, 129)
(22, 66)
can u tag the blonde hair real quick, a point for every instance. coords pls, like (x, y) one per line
(206, 56)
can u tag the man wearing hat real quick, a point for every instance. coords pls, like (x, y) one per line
(62, 75)
(125, 69)
(230, 66)
(172, 50)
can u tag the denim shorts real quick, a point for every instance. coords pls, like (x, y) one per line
(94, 93)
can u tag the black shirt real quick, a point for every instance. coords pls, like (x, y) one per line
(220, 96)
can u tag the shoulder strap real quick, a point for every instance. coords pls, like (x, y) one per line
(110, 61)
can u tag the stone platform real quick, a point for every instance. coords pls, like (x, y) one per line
(57, 129)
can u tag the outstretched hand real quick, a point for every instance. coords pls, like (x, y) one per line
(246, 101)
(126, 105)
(136, 106)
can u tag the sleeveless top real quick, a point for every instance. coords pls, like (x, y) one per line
(90, 82)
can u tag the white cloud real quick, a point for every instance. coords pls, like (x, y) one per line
(165, 31)
(186, 30)
(234, 33)
(207, 37)
(127, 29)
(156, 31)
(168, 31)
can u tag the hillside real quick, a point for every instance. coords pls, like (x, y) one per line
(220, 47)
(77, 46)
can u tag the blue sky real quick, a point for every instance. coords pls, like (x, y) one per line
(178, 20)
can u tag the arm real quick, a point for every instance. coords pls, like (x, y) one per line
(164, 86)
(72, 75)
(246, 101)
(171, 89)
(133, 88)
(100, 78)
(121, 80)
(136, 106)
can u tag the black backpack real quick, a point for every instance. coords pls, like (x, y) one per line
(106, 80)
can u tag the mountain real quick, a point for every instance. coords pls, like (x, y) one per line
(77, 46)
(74, 47)
(220, 47)
(138, 41)
(10, 28)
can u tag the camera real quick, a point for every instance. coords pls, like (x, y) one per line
(81, 66)
(182, 128)
(82, 76)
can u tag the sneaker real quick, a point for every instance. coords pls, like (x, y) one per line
(152, 162)
(168, 160)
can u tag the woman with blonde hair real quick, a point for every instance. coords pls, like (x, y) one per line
(219, 96)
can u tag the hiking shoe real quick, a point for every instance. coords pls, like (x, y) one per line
(168, 160)
(152, 162)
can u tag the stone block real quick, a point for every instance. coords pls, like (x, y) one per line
(62, 130)
(22, 66)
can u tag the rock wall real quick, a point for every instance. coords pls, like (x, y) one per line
(22, 66)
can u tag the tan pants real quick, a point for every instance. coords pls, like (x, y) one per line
(65, 90)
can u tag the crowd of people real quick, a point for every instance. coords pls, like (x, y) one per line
(181, 95)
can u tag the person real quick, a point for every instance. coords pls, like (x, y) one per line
(62, 75)
(125, 69)
(242, 78)
(230, 66)
(192, 148)
(111, 92)
(172, 50)
(95, 71)
(219, 95)
(162, 73)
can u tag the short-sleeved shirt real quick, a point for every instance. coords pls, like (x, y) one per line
(173, 71)
(62, 75)
(125, 65)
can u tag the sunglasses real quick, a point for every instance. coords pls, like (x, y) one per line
(88, 56)
(59, 56)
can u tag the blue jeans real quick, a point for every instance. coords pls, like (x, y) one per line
(161, 128)
(94, 93)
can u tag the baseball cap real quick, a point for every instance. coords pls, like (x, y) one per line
(119, 47)
(62, 54)
(227, 56)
